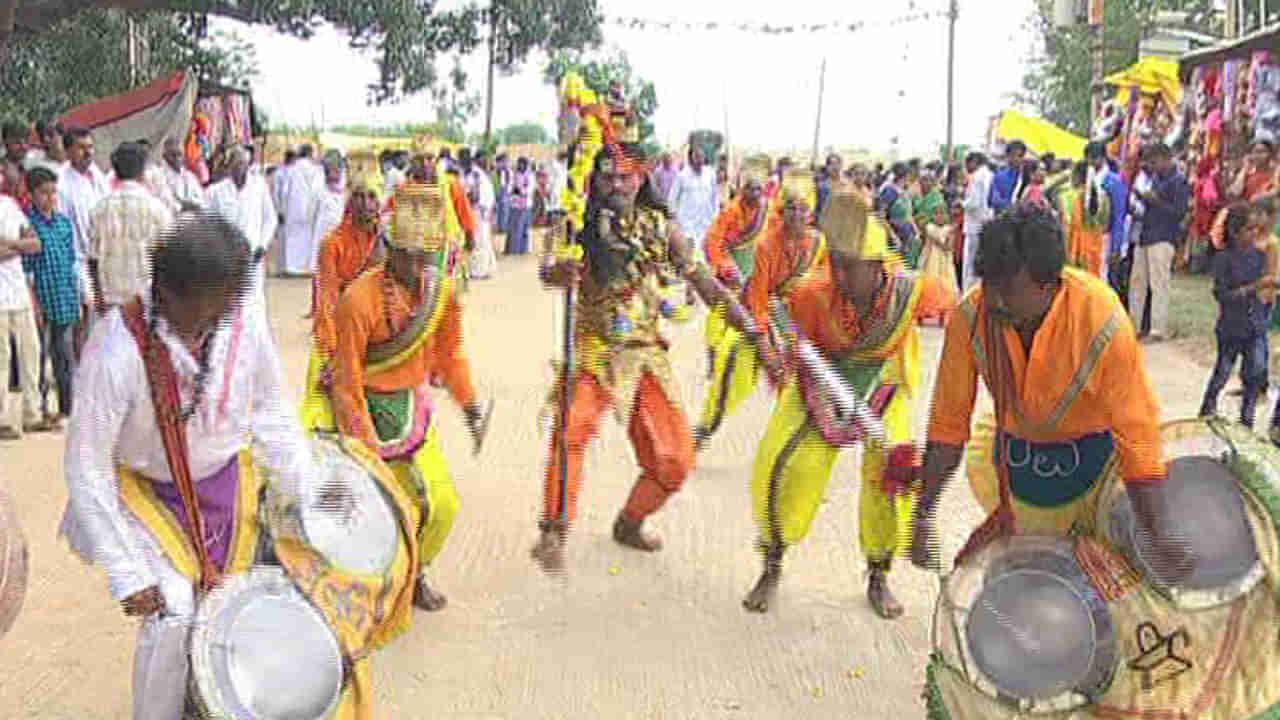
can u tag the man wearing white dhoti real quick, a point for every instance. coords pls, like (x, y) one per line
(243, 198)
(216, 380)
(299, 194)
(80, 186)
(479, 189)
(330, 202)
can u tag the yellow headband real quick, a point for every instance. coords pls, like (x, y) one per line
(420, 220)
(799, 186)
(851, 229)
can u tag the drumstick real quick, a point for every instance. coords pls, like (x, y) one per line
(483, 429)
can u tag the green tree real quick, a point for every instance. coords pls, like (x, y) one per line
(45, 73)
(529, 133)
(1059, 75)
(598, 71)
(406, 35)
(454, 105)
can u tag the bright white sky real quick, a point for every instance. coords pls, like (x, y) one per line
(882, 82)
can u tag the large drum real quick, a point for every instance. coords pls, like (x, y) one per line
(1023, 623)
(13, 563)
(340, 511)
(261, 651)
(1204, 506)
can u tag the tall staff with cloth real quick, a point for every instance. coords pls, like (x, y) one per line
(398, 328)
(861, 312)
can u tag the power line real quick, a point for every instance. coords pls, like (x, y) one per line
(638, 23)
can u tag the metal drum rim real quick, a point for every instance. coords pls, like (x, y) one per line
(202, 663)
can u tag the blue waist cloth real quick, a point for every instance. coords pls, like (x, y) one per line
(1050, 475)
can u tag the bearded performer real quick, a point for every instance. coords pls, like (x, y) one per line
(861, 311)
(1062, 361)
(627, 286)
(168, 390)
(731, 249)
(398, 330)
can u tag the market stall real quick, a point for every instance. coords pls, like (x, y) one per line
(1145, 108)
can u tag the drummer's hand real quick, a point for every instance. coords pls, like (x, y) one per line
(475, 423)
(336, 498)
(144, 603)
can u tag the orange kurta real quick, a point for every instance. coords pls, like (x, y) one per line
(832, 323)
(343, 256)
(1074, 382)
(1084, 244)
(362, 320)
(730, 226)
(777, 268)
(462, 206)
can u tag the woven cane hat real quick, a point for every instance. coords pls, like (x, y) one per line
(755, 169)
(419, 221)
(851, 228)
(799, 185)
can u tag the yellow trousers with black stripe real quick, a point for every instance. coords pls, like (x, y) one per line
(425, 475)
(793, 465)
(735, 372)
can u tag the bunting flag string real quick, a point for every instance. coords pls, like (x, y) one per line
(636, 23)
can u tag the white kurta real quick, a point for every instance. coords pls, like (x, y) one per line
(183, 185)
(326, 214)
(300, 194)
(250, 209)
(114, 423)
(78, 194)
(484, 259)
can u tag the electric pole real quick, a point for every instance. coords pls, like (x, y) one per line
(817, 124)
(1096, 21)
(951, 78)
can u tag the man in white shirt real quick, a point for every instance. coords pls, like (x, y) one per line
(243, 198)
(53, 155)
(182, 183)
(695, 201)
(484, 258)
(977, 212)
(123, 229)
(299, 194)
(81, 185)
(117, 467)
(328, 206)
(17, 317)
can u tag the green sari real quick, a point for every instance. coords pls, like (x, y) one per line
(927, 205)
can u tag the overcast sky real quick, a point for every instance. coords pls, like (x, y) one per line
(884, 81)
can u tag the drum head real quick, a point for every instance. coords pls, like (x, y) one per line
(1202, 499)
(261, 651)
(1037, 630)
(13, 563)
(362, 538)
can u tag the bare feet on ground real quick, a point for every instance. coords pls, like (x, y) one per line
(630, 534)
(427, 598)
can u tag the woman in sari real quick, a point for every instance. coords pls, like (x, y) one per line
(931, 199)
(1256, 178)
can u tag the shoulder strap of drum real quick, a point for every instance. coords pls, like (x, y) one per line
(163, 382)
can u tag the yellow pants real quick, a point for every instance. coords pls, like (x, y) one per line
(735, 372)
(427, 478)
(793, 464)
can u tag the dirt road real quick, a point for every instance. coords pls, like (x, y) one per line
(625, 636)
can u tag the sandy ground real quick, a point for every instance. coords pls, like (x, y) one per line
(663, 637)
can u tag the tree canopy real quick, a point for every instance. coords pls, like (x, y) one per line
(47, 72)
(406, 35)
(528, 133)
(1058, 81)
(598, 70)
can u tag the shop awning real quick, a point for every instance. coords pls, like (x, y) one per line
(1041, 136)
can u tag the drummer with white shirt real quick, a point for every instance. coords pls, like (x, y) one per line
(126, 483)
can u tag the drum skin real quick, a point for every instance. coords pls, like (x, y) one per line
(13, 562)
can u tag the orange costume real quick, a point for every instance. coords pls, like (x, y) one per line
(344, 254)
(781, 266)
(1081, 408)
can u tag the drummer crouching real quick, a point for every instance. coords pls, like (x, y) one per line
(1073, 401)
(168, 390)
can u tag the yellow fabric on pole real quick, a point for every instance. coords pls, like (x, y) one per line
(1041, 136)
(1152, 76)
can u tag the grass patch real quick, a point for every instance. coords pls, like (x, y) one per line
(1193, 313)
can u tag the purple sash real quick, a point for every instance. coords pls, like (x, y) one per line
(217, 499)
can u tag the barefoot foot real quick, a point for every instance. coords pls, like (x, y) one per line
(626, 532)
(549, 551)
(761, 596)
(426, 598)
(879, 595)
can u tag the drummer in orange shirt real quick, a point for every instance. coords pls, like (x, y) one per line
(1074, 404)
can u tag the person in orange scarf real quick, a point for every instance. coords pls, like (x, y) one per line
(731, 249)
(861, 313)
(398, 327)
(1066, 373)
(346, 251)
(1086, 210)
